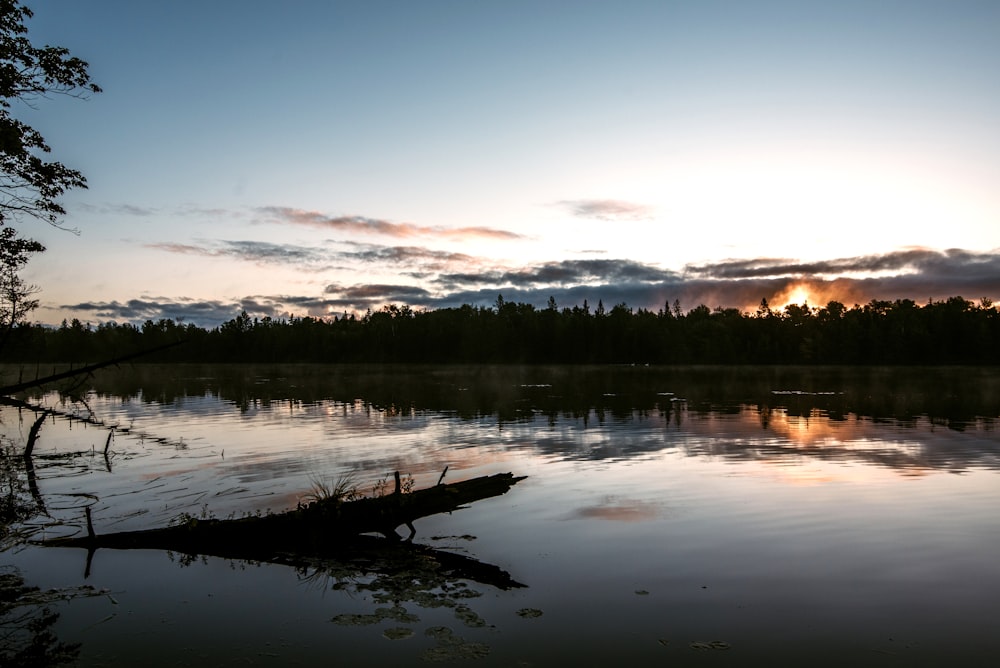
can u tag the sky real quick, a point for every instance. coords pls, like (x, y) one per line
(320, 158)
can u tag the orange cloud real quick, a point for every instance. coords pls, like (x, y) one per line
(365, 225)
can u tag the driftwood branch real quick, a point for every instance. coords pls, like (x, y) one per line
(324, 525)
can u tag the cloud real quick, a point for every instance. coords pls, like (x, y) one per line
(124, 209)
(913, 260)
(259, 252)
(201, 313)
(119, 209)
(206, 313)
(405, 255)
(914, 273)
(606, 209)
(365, 225)
(917, 274)
(372, 296)
(566, 272)
(381, 291)
(417, 260)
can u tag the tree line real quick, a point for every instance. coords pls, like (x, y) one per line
(953, 331)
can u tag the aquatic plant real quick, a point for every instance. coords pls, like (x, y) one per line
(342, 489)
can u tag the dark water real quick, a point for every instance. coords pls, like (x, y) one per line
(711, 516)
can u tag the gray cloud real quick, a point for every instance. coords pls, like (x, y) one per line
(606, 209)
(260, 252)
(565, 272)
(418, 261)
(380, 291)
(407, 255)
(119, 209)
(920, 274)
(951, 262)
(124, 209)
(201, 313)
(207, 314)
(373, 296)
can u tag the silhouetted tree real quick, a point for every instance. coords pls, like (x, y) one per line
(29, 185)
(15, 294)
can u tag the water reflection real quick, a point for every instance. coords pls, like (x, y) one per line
(396, 588)
(810, 510)
(27, 621)
(409, 579)
(954, 396)
(896, 418)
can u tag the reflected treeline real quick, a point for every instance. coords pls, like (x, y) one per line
(27, 620)
(954, 331)
(952, 397)
(763, 413)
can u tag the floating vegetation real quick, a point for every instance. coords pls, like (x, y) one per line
(711, 644)
(529, 613)
(397, 633)
(451, 647)
(396, 613)
(468, 616)
(419, 579)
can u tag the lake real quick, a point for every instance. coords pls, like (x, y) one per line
(691, 516)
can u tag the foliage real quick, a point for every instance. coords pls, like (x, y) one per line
(384, 486)
(29, 185)
(954, 331)
(345, 489)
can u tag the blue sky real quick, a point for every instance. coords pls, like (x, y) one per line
(322, 157)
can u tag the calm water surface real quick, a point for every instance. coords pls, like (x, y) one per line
(690, 516)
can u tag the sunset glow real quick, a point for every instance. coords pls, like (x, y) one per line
(796, 294)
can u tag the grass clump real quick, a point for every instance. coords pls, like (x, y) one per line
(342, 489)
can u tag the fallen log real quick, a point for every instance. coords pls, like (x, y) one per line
(325, 526)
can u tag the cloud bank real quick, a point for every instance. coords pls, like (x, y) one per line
(429, 280)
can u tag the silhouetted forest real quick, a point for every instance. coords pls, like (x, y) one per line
(954, 331)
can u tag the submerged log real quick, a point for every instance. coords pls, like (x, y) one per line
(325, 526)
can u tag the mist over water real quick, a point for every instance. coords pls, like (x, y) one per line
(685, 514)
